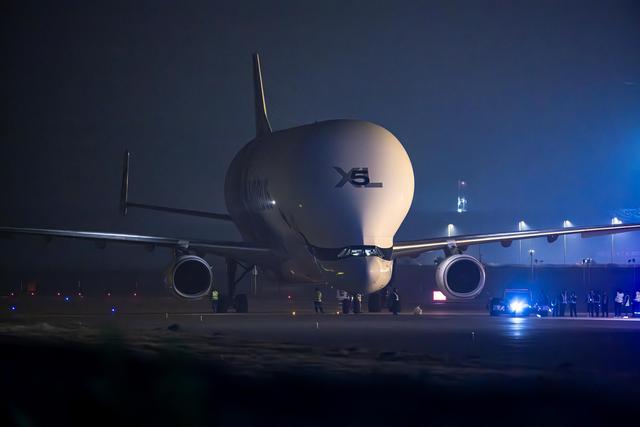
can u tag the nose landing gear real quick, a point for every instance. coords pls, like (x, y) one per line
(374, 302)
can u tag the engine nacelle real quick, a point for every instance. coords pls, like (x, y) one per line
(190, 277)
(460, 277)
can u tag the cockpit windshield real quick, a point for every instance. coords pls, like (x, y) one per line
(327, 254)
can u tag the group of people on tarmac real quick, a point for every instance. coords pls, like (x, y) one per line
(624, 303)
(353, 303)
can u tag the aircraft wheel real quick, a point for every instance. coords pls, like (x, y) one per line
(374, 303)
(241, 303)
(346, 306)
(223, 304)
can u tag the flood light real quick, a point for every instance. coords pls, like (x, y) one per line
(439, 296)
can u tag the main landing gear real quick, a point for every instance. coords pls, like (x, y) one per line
(239, 302)
(378, 301)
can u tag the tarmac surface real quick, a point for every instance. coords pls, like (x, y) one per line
(461, 359)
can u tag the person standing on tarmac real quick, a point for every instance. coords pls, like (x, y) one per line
(357, 304)
(573, 305)
(596, 303)
(617, 303)
(590, 302)
(564, 299)
(395, 301)
(317, 301)
(636, 305)
(215, 298)
(626, 305)
(605, 304)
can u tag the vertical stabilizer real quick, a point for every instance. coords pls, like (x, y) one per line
(262, 121)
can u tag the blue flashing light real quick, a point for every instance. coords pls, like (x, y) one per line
(12, 308)
(517, 306)
(113, 309)
(67, 299)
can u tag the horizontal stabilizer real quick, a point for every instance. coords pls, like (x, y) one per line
(125, 204)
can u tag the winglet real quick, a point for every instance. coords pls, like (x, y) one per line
(124, 193)
(262, 121)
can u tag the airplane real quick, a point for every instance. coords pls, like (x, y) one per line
(316, 204)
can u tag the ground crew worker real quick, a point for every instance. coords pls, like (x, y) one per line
(596, 303)
(590, 302)
(626, 305)
(617, 303)
(564, 299)
(636, 305)
(395, 301)
(317, 301)
(573, 305)
(605, 304)
(215, 297)
(357, 304)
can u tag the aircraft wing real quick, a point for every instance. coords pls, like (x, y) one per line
(415, 248)
(237, 250)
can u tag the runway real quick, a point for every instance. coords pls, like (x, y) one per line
(280, 366)
(457, 343)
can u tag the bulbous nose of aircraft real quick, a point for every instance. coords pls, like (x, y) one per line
(362, 275)
(345, 183)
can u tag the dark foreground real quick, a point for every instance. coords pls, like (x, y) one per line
(271, 369)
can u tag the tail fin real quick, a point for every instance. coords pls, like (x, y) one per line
(262, 121)
(124, 193)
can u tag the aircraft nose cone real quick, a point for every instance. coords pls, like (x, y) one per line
(362, 275)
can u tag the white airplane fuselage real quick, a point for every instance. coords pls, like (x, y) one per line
(328, 197)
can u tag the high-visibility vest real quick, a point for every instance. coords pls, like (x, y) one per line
(318, 296)
(214, 295)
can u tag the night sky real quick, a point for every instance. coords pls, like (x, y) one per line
(535, 104)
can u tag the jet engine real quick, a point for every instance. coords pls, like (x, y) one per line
(190, 277)
(460, 277)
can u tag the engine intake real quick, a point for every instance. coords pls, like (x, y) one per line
(460, 277)
(190, 277)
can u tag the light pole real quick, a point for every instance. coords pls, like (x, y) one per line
(587, 272)
(565, 224)
(614, 221)
(531, 253)
(632, 262)
(521, 226)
